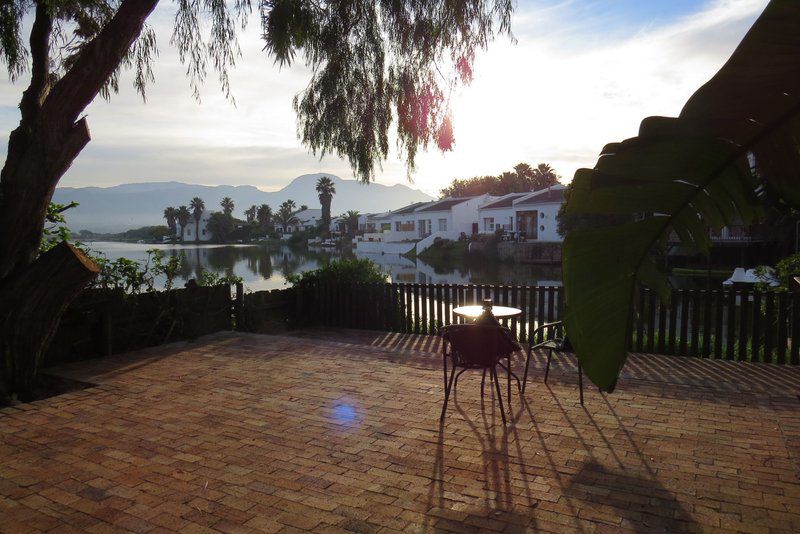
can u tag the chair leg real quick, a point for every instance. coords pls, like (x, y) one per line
(527, 363)
(509, 382)
(499, 398)
(547, 369)
(447, 392)
(580, 380)
(483, 381)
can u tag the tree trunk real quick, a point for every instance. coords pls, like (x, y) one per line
(40, 150)
(31, 310)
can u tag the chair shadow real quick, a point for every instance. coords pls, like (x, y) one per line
(497, 502)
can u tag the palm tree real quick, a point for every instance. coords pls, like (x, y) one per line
(227, 205)
(285, 214)
(326, 190)
(171, 214)
(197, 206)
(544, 176)
(264, 215)
(351, 221)
(250, 213)
(183, 215)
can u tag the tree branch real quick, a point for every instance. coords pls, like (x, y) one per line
(40, 65)
(97, 62)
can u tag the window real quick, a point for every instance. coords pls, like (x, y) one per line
(541, 228)
(442, 225)
(204, 231)
(488, 224)
(541, 215)
(397, 226)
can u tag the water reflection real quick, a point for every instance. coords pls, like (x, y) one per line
(470, 271)
(267, 267)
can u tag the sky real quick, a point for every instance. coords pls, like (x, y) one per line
(582, 73)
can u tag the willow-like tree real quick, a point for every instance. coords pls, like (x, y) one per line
(370, 61)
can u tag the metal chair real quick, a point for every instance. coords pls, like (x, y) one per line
(475, 346)
(554, 340)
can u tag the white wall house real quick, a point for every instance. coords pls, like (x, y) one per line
(498, 213)
(192, 229)
(404, 223)
(450, 217)
(305, 220)
(533, 214)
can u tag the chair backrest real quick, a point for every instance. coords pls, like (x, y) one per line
(479, 345)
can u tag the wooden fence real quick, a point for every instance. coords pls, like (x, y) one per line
(103, 322)
(724, 324)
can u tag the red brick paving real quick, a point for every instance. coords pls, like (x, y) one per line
(247, 433)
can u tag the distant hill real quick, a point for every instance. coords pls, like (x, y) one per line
(119, 208)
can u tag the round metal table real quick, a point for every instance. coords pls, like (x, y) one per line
(475, 311)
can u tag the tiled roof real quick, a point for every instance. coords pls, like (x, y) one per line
(444, 205)
(546, 197)
(409, 209)
(504, 202)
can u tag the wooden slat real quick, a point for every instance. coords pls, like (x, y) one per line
(783, 305)
(731, 324)
(795, 330)
(551, 303)
(448, 304)
(640, 311)
(673, 321)
(524, 306)
(719, 334)
(651, 321)
(409, 298)
(439, 306)
(684, 322)
(662, 327)
(415, 320)
(515, 304)
(695, 313)
(540, 312)
(707, 305)
(769, 326)
(744, 337)
(757, 322)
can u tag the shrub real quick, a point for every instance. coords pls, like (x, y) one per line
(340, 271)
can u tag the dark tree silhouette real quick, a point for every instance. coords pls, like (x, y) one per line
(326, 189)
(227, 205)
(171, 215)
(197, 206)
(183, 215)
(524, 179)
(370, 61)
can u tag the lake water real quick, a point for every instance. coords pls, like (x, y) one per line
(267, 266)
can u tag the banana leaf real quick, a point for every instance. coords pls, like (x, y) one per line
(685, 176)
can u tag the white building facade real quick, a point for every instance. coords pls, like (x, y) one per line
(193, 229)
(530, 216)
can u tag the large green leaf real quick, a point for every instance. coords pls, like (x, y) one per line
(689, 175)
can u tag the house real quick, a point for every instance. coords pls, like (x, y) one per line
(192, 228)
(498, 213)
(306, 219)
(533, 215)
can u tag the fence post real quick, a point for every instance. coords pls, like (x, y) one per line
(237, 306)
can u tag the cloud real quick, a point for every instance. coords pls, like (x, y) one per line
(581, 75)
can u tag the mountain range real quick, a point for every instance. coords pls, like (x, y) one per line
(126, 206)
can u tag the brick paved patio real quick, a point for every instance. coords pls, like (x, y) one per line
(340, 432)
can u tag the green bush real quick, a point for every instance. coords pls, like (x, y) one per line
(340, 271)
